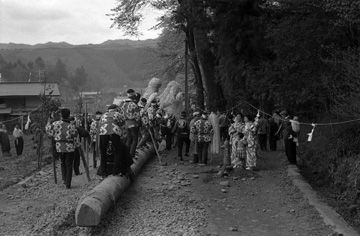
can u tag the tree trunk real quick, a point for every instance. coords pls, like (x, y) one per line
(196, 70)
(214, 96)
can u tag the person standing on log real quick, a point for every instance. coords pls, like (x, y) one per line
(203, 131)
(145, 123)
(131, 112)
(19, 141)
(111, 145)
(95, 139)
(64, 133)
(183, 131)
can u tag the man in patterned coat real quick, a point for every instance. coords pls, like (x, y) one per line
(64, 133)
(202, 131)
(115, 157)
(131, 112)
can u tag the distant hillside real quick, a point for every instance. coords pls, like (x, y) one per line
(111, 65)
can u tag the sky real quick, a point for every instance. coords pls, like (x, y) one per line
(72, 21)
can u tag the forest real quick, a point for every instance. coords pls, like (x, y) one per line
(299, 55)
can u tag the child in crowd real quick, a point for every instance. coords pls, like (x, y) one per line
(240, 150)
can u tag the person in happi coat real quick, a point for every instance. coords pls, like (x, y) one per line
(131, 112)
(64, 133)
(19, 140)
(95, 138)
(202, 131)
(115, 155)
(250, 134)
(193, 139)
(182, 129)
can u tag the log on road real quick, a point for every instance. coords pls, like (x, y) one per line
(96, 203)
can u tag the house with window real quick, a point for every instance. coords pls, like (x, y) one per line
(20, 98)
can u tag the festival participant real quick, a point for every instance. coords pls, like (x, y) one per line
(272, 134)
(234, 130)
(170, 121)
(19, 141)
(250, 132)
(239, 145)
(131, 113)
(95, 139)
(196, 117)
(183, 131)
(203, 131)
(290, 134)
(262, 131)
(113, 151)
(64, 134)
(145, 128)
(82, 134)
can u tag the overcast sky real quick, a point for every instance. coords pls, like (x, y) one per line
(73, 21)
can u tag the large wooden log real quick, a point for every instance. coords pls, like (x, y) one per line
(96, 203)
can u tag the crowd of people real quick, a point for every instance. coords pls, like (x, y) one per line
(117, 135)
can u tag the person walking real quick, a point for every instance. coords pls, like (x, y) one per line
(203, 132)
(95, 138)
(115, 155)
(19, 140)
(273, 128)
(262, 131)
(64, 133)
(250, 132)
(289, 137)
(196, 117)
(5, 141)
(131, 112)
(183, 131)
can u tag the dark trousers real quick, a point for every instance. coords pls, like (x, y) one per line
(290, 150)
(120, 160)
(169, 139)
(93, 147)
(202, 150)
(132, 139)
(180, 143)
(224, 133)
(77, 162)
(272, 142)
(263, 141)
(67, 159)
(19, 145)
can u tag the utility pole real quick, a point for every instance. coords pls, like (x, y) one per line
(186, 79)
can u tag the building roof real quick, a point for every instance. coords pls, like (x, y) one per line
(28, 89)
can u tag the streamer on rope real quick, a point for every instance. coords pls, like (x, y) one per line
(310, 135)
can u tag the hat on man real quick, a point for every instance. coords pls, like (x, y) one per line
(65, 113)
(112, 106)
(131, 93)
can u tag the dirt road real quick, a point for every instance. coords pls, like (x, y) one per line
(184, 199)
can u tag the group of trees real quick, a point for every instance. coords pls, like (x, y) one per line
(300, 54)
(40, 71)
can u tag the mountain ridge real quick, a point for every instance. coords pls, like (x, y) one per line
(63, 44)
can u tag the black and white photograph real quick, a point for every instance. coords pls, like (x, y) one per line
(180, 117)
